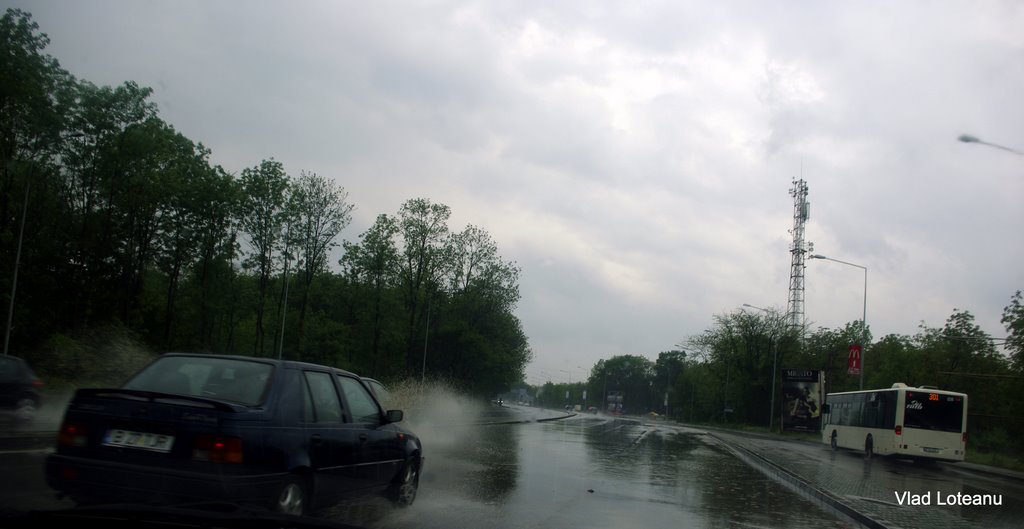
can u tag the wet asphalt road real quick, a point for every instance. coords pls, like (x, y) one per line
(593, 472)
(512, 467)
(873, 487)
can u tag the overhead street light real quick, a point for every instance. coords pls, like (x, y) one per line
(967, 138)
(753, 307)
(864, 317)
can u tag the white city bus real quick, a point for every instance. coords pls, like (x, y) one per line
(924, 423)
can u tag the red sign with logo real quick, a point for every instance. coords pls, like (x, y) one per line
(853, 360)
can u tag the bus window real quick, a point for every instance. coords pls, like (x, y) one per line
(856, 409)
(933, 411)
(887, 410)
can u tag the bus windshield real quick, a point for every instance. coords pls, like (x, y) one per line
(934, 411)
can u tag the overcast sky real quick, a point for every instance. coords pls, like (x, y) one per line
(634, 158)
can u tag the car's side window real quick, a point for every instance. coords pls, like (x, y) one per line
(362, 406)
(383, 397)
(323, 398)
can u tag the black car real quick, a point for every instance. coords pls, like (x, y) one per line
(189, 428)
(19, 389)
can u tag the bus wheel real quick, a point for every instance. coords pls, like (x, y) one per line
(833, 442)
(869, 447)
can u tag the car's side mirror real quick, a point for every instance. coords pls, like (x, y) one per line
(395, 416)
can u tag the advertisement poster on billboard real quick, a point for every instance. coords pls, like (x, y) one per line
(853, 360)
(801, 399)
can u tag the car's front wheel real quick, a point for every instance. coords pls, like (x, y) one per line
(406, 484)
(291, 497)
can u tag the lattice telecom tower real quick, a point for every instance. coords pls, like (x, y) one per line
(801, 212)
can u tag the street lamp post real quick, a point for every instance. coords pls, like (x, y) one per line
(569, 389)
(774, 371)
(17, 262)
(21, 236)
(864, 317)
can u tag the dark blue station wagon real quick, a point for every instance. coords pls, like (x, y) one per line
(193, 428)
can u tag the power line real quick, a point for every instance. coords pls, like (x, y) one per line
(980, 375)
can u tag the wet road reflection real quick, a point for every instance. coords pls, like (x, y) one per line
(874, 485)
(495, 464)
(596, 472)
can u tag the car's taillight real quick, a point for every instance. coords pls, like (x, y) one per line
(963, 438)
(71, 434)
(217, 449)
(36, 383)
(899, 429)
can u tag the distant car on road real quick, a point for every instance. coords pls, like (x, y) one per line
(290, 436)
(20, 388)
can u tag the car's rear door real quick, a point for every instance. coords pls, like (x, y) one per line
(332, 445)
(379, 452)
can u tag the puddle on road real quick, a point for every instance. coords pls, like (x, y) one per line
(592, 473)
(697, 475)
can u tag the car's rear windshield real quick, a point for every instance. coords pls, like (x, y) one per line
(240, 381)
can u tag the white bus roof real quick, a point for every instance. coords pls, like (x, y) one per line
(901, 385)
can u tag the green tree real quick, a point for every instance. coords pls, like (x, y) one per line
(828, 349)
(668, 368)
(744, 349)
(896, 358)
(372, 265)
(323, 211)
(1013, 319)
(628, 375)
(34, 105)
(184, 211)
(110, 184)
(262, 216)
(423, 229)
(31, 118)
(214, 280)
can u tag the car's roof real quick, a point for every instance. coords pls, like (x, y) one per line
(272, 361)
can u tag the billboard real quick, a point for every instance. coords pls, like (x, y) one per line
(853, 360)
(802, 395)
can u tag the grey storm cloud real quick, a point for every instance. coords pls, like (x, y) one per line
(633, 158)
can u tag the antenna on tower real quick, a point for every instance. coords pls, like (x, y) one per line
(798, 251)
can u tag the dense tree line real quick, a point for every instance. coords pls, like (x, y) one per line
(724, 375)
(111, 219)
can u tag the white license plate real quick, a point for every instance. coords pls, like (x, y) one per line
(932, 450)
(139, 440)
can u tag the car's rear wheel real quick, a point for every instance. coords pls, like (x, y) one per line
(292, 497)
(25, 409)
(406, 484)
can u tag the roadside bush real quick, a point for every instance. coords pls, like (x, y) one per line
(105, 356)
